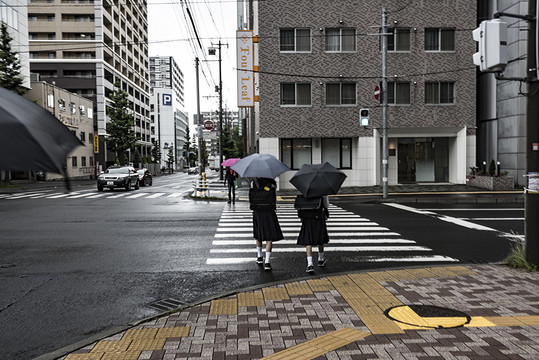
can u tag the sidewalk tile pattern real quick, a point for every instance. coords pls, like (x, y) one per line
(342, 317)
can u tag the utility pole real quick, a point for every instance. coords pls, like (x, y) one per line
(219, 44)
(384, 104)
(199, 125)
(531, 199)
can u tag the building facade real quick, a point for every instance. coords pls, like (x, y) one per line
(169, 120)
(86, 47)
(77, 114)
(319, 65)
(501, 115)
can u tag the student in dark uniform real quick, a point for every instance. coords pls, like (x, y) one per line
(266, 226)
(230, 177)
(314, 232)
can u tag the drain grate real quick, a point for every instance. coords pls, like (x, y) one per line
(166, 304)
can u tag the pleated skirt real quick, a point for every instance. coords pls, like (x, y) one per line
(266, 226)
(313, 232)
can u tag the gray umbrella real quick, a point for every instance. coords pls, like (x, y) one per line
(31, 137)
(259, 165)
(318, 179)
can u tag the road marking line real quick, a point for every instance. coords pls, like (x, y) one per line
(250, 235)
(333, 249)
(156, 195)
(291, 228)
(136, 195)
(332, 241)
(493, 219)
(413, 259)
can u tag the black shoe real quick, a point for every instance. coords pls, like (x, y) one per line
(310, 269)
(228, 202)
(260, 260)
(267, 267)
(322, 263)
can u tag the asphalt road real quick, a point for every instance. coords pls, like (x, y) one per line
(72, 267)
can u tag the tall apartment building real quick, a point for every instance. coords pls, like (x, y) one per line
(169, 120)
(86, 47)
(13, 13)
(318, 65)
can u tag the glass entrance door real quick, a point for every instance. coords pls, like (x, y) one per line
(406, 159)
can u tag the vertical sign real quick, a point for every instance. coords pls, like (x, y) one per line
(96, 143)
(245, 56)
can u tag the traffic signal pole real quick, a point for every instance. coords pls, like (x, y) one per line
(384, 105)
(531, 199)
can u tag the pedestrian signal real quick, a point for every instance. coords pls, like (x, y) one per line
(364, 117)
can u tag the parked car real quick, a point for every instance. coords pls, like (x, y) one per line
(118, 177)
(192, 170)
(144, 177)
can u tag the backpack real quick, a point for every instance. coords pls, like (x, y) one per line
(310, 208)
(262, 199)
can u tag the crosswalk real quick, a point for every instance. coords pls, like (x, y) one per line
(348, 232)
(91, 194)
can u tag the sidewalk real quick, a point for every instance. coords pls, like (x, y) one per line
(447, 312)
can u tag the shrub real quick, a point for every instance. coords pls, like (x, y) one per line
(517, 258)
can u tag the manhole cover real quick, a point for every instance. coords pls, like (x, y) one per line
(428, 316)
(166, 304)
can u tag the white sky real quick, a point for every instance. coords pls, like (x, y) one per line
(169, 32)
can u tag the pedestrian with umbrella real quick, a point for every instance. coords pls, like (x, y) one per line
(230, 178)
(315, 182)
(263, 168)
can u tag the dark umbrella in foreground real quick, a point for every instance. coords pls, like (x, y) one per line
(318, 179)
(259, 165)
(31, 137)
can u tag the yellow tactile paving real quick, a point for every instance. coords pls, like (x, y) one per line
(382, 276)
(479, 321)
(402, 275)
(341, 281)
(461, 270)
(111, 346)
(530, 320)
(275, 293)
(503, 321)
(147, 344)
(365, 281)
(140, 333)
(87, 356)
(319, 346)
(224, 307)
(251, 299)
(380, 324)
(320, 285)
(173, 332)
(127, 355)
(406, 315)
(298, 288)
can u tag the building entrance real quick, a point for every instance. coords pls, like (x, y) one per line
(423, 160)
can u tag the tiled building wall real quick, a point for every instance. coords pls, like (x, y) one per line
(364, 66)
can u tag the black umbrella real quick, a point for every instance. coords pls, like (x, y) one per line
(318, 179)
(31, 137)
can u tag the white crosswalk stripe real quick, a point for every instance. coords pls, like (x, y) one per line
(89, 195)
(348, 232)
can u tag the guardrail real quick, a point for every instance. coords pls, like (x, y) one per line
(208, 185)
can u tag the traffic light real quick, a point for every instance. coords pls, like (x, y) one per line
(364, 117)
(491, 36)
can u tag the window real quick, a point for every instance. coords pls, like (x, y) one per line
(91, 161)
(72, 108)
(90, 138)
(50, 100)
(62, 104)
(82, 136)
(398, 93)
(399, 40)
(74, 161)
(295, 94)
(439, 39)
(81, 110)
(340, 94)
(337, 152)
(296, 152)
(341, 40)
(440, 93)
(295, 40)
(83, 161)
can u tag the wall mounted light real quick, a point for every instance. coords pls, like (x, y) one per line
(321, 29)
(415, 82)
(395, 22)
(321, 83)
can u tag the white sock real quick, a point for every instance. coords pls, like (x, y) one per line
(309, 261)
(268, 255)
(259, 251)
(320, 256)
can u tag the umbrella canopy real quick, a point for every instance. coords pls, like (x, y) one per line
(259, 165)
(318, 179)
(31, 137)
(230, 162)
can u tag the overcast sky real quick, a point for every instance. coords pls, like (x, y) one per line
(170, 34)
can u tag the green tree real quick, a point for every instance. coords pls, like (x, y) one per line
(10, 65)
(137, 159)
(156, 152)
(121, 136)
(170, 156)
